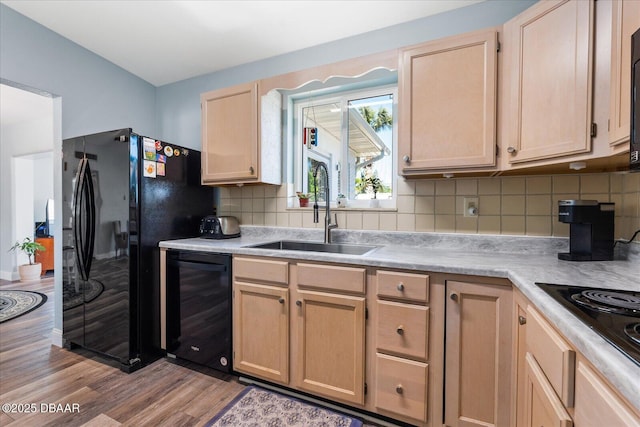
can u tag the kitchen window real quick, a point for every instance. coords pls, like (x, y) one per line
(353, 133)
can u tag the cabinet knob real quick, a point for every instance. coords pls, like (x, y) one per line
(251, 170)
(522, 320)
(281, 300)
(299, 303)
(400, 330)
(400, 286)
(512, 150)
(399, 389)
(406, 158)
(454, 296)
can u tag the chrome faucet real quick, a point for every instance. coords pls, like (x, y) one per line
(328, 226)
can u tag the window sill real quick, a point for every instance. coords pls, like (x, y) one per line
(347, 209)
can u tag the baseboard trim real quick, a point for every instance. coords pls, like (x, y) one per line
(9, 275)
(56, 337)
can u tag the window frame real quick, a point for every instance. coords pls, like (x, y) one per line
(315, 98)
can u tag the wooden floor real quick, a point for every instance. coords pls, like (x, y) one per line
(34, 373)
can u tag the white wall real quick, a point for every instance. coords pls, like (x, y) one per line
(42, 183)
(18, 140)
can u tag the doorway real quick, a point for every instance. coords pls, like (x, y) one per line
(30, 126)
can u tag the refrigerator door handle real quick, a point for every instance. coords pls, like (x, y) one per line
(84, 218)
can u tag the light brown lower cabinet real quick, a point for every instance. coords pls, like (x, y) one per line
(542, 405)
(555, 384)
(401, 386)
(478, 354)
(296, 325)
(329, 345)
(597, 404)
(261, 331)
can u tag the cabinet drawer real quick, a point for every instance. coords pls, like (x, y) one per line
(261, 270)
(553, 354)
(597, 404)
(403, 285)
(401, 386)
(339, 278)
(403, 329)
(542, 406)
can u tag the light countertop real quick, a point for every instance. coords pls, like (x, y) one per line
(523, 260)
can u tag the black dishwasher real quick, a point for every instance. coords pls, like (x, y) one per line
(199, 308)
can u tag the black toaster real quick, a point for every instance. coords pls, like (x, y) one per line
(219, 227)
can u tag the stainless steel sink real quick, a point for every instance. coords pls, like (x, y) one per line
(336, 248)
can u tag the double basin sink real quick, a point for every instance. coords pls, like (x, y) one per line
(336, 248)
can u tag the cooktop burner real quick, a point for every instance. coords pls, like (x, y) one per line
(633, 331)
(609, 301)
(613, 314)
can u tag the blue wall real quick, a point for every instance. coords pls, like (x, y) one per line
(96, 94)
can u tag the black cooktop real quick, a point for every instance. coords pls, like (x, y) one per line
(614, 314)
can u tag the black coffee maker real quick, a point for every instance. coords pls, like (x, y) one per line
(591, 229)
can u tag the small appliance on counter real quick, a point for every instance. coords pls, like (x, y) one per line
(591, 229)
(219, 227)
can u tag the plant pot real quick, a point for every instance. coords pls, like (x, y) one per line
(303, 202)
(374, 203)
(30, 272)
(341, 202)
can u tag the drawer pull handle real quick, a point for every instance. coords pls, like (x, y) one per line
(281, 300)
(522, 320)
(299, 303)
(400, 286)
(399, 389)
(454, 296)
(400, 330)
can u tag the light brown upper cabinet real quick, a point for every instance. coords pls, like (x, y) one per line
(233, 151)
(447, 104)
(548, 66)
(625, 21)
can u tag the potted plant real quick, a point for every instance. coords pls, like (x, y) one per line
(341, 201)
(33, 270)
(303, 198)
(375, 184)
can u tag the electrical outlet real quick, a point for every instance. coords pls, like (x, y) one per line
(470, 206)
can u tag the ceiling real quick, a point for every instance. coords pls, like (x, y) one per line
(167, 41)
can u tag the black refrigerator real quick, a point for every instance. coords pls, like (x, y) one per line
(122, 194)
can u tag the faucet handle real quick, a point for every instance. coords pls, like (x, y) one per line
(335, 217)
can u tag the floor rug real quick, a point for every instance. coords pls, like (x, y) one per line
(17, 303)
(86, 292)
(257, 407)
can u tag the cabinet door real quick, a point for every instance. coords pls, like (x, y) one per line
(330, 345)
(597, 404)
(549, 76)
(478, 355)
(261, 331)
(625, 21)
(447, 110)
(542, 405)
(230, 134)
(45, 257)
